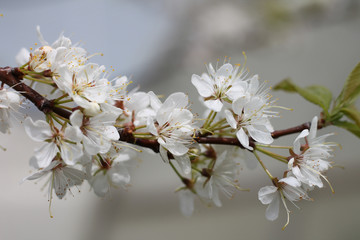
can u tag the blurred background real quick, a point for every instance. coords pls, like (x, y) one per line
(160, 44)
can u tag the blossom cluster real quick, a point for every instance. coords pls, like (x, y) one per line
(99, 140)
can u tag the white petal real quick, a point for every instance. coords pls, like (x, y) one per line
(76, 118)
(46, 154)
(184, 163)
(215, 105)
(137, 101)
(154, 101)
(297, 144)
(202, 86)
(230, 119)
(164, 154)
(119, 176)
(70, 153)
(176, 149)
(272, 211)
(313, 127)
(243, 138)
(260, 134)
(100, 184)
(22, 57)
(40, 37)
(74, 176)
(225, 70)
(239, 104)
(60, 184)
(186, 199)
(237, 90)
(176, 100)
(267, 194)
(38, 130)
(291, 181)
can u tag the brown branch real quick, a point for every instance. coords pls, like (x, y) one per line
(13, 76)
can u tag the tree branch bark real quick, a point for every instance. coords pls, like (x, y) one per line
(13, 78)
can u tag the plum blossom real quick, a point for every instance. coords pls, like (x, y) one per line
(9, 104)
(221, 178)
(65, 141)
(135, 105)
(172, 125)
(87, 87)
(51, 57)
(222, 85)
(62, 177)
(112, 171)
(308, 162)
(250, 115)
(286, 188)
(97, 132)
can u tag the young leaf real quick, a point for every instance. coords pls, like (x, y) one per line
(318, 95)
(351, 89)
(353, 128)
(352, 113)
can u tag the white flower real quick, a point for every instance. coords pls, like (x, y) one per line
(287, 188)
(182, 160)
(224, 84)
(62, 177)
(112, 172)
(63, 141)
(309, 161)
(135, 105)
(9, 104)
(86, 87)
(51, 57)
(173, 123)
(221, 178)
(97, 132)
(250, 115)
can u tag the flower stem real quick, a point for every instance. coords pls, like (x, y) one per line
(273, 146)
(175, 170)
(273, 155)
(263, 166)
(208, 119)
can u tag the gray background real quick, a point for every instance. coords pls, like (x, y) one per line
(160, 44)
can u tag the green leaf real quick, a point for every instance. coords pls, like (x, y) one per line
(316, 94)
(351, 89)
(352, 113)
(286, 85)
(353, 128)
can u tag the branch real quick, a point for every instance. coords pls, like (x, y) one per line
(13, 76)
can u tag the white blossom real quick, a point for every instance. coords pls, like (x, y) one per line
(97, 132)
(62, 177)
(87, 87)
(309, 161)
(172, 125)
(222, 85)
(287, 188)
(63, 141)
(250, 115)
(222, 178)
(113, 171)
(9, 104)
